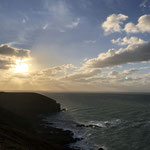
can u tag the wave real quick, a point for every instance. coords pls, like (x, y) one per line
(86, 143)
(100, 124)
(63, 120)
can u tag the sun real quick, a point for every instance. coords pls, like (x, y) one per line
(21, 66)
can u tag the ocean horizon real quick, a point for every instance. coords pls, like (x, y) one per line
(113, 121)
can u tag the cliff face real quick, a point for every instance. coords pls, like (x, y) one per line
(28, 104)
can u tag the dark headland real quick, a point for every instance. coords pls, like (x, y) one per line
(21, 124)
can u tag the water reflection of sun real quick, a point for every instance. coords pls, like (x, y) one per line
(21, 66)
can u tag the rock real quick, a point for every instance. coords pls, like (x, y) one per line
(61, 136)
(93, 126)
(90, 125)
(107, 124)
(101, 148)
(80, 125)
(64, 109)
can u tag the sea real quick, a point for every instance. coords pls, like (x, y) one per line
(112, 121)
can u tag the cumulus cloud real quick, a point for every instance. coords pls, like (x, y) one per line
(142, 26)
(123, 74)
(113, 23)
(8, 56)
(133, 70)
(11, 51)
(128, 41)
(113, 73)
(131, 28)
(130, 54)
(54, 70)
(5, 64)
(130, 71)
(78, 76)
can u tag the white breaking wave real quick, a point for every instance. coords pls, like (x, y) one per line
(104, 124)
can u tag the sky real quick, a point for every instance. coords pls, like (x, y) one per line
(75, 45)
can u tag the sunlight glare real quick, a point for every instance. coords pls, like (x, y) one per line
(21, 66)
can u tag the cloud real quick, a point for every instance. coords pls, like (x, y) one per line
(90, 41)
(73, 24)
(8, 56)
(113, 23)
(61, 16)
(131, 28)
(78, 76)
(11, 51)
(133, 70)
(63, 78)
(128, 41)
(143, 4)
(57, 69)
(113, 73)
(23, 21)
(45, 27)
(125, 73)
(5, 64)
(130, 71)
(130, 54)
(57, 9)
(142, 26)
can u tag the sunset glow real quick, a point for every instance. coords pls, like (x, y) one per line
(21, 66)
(75, 45)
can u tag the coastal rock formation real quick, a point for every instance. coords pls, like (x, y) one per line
(28, 104)
(21, 128)
(89, 125)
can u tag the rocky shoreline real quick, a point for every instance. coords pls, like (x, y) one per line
(21, 123)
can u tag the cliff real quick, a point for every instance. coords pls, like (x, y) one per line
(28, 104)
(20, 124)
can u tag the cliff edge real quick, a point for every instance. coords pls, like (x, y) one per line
(21, 125)
(28, 104)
